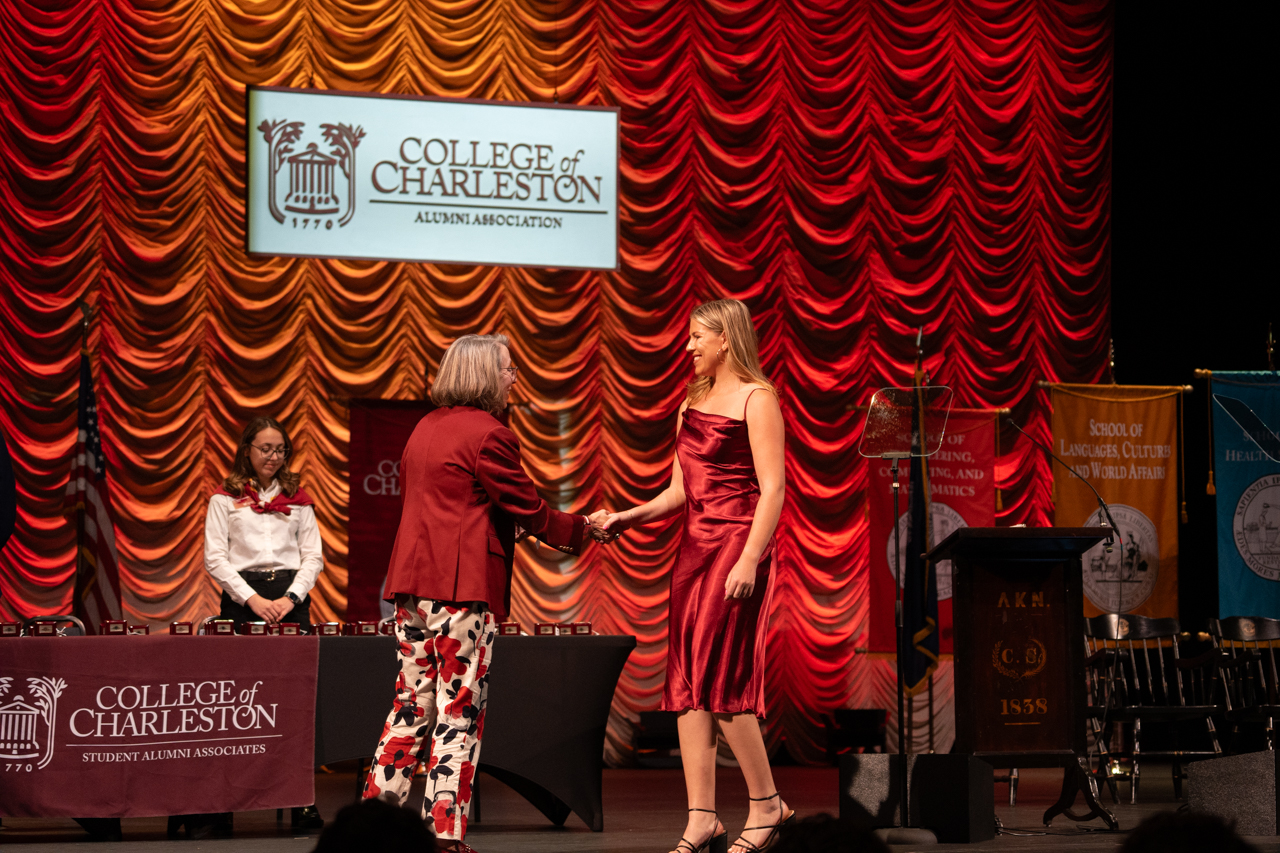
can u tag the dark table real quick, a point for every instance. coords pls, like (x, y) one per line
(549, 700)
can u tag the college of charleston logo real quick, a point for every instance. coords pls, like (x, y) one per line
(314, 197)
(26, 727)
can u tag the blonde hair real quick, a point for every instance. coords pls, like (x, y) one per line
(470, 374)
(242, 468)
(731, 318)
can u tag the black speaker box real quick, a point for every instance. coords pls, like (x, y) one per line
(952, 795)
(1240, 788)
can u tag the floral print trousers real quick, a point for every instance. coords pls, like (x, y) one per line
(438, 712)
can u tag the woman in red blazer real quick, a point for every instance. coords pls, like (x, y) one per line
(464, 493)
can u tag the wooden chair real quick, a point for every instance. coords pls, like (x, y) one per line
(1098, 661)
(1137, 673)
(1248, 671)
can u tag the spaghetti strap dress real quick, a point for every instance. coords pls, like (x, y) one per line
(715, 648)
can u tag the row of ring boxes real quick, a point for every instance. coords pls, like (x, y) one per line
(285, 629)
(547, 629)
(215, 626)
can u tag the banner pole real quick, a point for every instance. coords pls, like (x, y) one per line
(79, 580)
(1182, 462)
(1207, 375)
(931, 743)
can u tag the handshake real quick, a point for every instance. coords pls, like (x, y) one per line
(606, 526)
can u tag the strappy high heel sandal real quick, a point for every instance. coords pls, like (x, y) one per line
(772, 837)
(716, 843)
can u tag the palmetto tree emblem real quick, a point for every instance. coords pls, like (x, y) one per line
(47, 691)
(344, 140)
(313, 193)
(280, 136)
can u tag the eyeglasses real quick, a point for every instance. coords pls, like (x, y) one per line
(510, 371)
(268, 452)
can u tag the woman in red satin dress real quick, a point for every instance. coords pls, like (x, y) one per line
(728, 479)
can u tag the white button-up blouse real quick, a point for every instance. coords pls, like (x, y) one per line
(237, 539)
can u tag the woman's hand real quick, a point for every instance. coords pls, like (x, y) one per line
(283, 606)
(615, 523)
(741, 581)
(263, 609)
(595, 527)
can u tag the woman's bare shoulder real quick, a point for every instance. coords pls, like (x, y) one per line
(751, 398)
(761, 407)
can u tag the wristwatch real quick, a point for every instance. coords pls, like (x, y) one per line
(296, 601)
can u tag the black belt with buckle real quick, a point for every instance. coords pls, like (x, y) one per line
(269, 575)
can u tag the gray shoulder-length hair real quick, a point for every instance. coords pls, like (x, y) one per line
(470, 374)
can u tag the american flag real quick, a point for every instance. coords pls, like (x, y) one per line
(97, 589)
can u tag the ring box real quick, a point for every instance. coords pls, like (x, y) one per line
(253, 629)
(290, 629)
(273, 630)
(360, 629)
(180, 629)
(546, 629)
(113, 627)
(44, 629)
(10, 629)
(579, 629)
(326, 629)
(219, 627)
(139, 630)
(388, 627)
(509, 629)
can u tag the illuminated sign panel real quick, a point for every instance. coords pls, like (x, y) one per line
(345, 175)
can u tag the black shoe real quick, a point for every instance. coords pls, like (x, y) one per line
(101, 828)
(716, 842)
(306, 817)
(223, 826)
(200, 826)
(772, 838)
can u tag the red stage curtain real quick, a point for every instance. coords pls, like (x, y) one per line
(852, 170)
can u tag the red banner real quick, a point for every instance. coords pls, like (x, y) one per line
(379, 431)
(145, 726)
(962, 490)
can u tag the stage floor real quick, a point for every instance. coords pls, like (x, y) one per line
(644, 813)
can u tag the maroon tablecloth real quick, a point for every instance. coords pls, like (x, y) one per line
(141, 726)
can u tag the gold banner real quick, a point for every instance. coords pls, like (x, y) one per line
(1124, 440)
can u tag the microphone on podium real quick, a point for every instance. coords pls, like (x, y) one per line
(1103, 504)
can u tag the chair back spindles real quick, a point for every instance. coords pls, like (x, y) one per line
(1271, 682)
(1248, 670)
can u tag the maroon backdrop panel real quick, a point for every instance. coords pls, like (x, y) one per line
(144, 726)
(379, 431)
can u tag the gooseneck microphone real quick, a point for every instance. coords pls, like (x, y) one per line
(1105, 509)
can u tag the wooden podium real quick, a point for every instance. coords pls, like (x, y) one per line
(1019, 652)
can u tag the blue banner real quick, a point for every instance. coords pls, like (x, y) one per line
(1248, 486)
